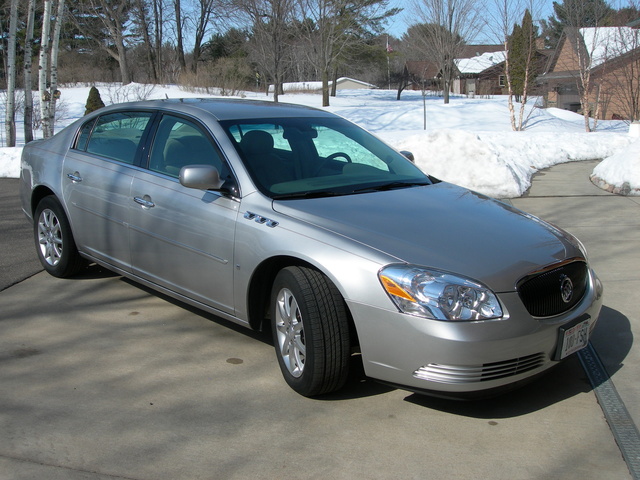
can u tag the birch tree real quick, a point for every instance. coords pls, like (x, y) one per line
(45, 52)
(28, 52)
(10, 114)
(48, 73)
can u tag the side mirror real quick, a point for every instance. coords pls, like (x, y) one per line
(409, 155)
(201, 177)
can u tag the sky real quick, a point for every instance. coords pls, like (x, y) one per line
(468, 142)
(399, 24)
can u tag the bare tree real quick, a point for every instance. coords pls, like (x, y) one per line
(48, 73)
(101, 19)
(158, 11)
(520, 48)
(271, 22)
(142, 21)
(45, 53)
(580, 14)
(28, 51)
(10, 114)
(204, 14)
(177, 7)
(331, 27)
(620, 82)
(456, 22)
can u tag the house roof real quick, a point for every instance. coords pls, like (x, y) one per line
(480, 63)
(607, 43)
(470, 51)
(423, 69)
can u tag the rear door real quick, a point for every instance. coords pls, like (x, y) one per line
(96, 183)
(182, 238)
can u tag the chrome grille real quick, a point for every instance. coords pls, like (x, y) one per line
(436, 372)
(542, 293)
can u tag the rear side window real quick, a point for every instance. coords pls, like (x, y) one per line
(116, 135)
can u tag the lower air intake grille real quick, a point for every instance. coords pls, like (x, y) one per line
(435, 372)
(556, 290)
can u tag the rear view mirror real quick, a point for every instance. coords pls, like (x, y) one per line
(409, 155)
(202, 177)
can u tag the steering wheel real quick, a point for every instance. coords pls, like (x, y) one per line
(333, 156)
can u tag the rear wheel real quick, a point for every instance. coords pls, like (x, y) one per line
(310, 331)
(56, 248)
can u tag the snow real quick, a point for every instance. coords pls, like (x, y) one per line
(606, 43)
(468, 142)
(622, 168)
(480, 63)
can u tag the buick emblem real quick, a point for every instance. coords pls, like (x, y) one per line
(566, 288)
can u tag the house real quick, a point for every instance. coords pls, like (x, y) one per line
(611, 57)
(479, 71)
(481, 74)
(473, 71)
(343, 83)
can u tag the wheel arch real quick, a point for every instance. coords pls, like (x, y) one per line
(37, 195)
(259, 292)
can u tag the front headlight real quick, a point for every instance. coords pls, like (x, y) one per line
(438, 295)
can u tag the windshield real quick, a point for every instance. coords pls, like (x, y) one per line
(310, 157)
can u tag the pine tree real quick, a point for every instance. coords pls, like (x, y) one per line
(94, 102)
(521, 54)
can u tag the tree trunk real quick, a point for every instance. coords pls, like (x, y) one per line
(10, 115)
(179, 46)
(146, 40)
(325, 87)
(55, 44)
(28, 94)
(158, 9)
(45, 47)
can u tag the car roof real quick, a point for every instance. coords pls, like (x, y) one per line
(224, 109)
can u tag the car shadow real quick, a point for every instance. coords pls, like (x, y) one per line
(560, 383)
(612, 339)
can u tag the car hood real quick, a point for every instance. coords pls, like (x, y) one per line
(442, 226)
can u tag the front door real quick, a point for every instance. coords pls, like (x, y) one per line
(182, 238)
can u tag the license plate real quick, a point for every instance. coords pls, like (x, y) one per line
(575, 338)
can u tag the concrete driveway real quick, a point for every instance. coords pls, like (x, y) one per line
(103, 379)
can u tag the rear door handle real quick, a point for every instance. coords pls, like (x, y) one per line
(74, 177)
(145, 202)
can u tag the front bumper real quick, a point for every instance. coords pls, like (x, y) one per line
(458, 357)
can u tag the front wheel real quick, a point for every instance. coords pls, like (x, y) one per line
(310, 330)
(56, 248)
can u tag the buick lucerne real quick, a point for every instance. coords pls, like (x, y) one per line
(293, 219)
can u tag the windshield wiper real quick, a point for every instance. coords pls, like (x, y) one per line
(392, 186)
(311, 194)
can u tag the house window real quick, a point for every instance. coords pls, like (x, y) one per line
(501, 81)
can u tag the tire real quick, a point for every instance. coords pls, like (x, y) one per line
(310, 328)
(55, 245)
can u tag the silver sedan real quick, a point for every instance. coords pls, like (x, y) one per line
(294, 219)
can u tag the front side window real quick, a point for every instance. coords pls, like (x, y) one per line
(304, 157)
(180, 142)
(115, 135)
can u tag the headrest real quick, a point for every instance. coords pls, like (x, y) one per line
(256, 142)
